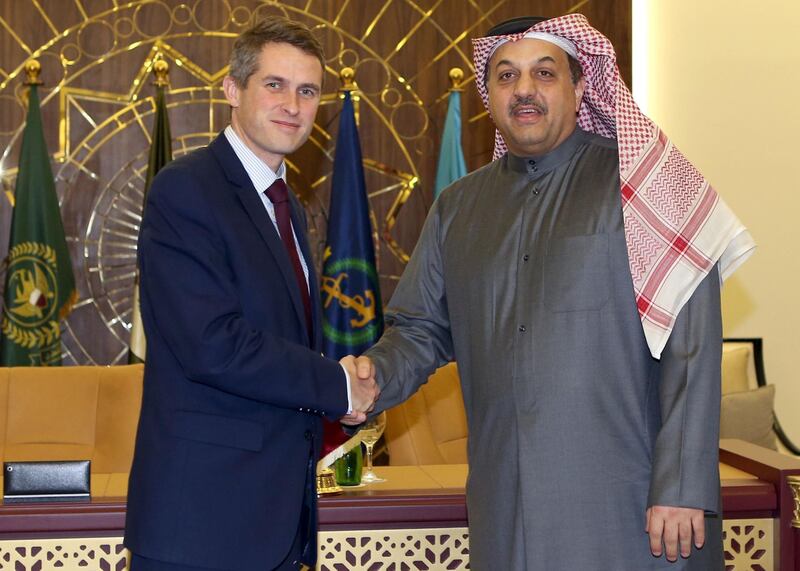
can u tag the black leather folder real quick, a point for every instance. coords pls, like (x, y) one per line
(46, 481)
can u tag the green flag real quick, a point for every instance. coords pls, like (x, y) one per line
(160, 155)
(39, 285)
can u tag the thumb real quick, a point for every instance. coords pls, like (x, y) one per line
(364, 368)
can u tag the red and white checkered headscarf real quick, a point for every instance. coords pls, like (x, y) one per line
(676, 226)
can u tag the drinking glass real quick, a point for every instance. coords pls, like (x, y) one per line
(347, 469)
(370, 434)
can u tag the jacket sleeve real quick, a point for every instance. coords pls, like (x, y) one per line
(191, 303)
(686, 454)
(417, 338)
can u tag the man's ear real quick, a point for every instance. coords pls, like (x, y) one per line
(580, 87)
(231, 89)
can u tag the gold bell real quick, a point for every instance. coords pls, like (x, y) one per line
(326, 483)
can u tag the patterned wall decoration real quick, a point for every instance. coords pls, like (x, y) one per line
(750, 545)
(79, 554)
(423, 549)
(97, 101)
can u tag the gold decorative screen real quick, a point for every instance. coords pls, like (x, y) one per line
(97, 102)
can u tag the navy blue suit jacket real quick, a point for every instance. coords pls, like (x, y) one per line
(234, 390)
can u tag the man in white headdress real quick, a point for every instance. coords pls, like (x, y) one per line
(576, 280)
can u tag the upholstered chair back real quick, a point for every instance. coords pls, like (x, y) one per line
(431, 426)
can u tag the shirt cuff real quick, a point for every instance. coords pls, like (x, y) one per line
(349, 393)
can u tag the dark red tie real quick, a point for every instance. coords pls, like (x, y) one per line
(278, 193)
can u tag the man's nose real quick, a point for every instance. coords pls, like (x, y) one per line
(524, 86)
(291, 103)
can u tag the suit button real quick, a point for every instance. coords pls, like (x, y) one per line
(308, 435)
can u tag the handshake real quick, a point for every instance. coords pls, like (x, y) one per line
(364, 390)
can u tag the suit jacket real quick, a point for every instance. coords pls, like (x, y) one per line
(234, 390)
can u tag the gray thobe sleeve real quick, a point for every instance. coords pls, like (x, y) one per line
(417, 337)
(686, 455)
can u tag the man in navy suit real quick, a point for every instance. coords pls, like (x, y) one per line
(235, 386)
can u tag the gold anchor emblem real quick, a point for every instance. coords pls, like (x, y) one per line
(365, 308)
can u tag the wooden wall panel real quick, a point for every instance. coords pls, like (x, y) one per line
(98, 118)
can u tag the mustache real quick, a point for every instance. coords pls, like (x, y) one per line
(528, 101)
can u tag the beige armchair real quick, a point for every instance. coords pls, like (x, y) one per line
(431, 426)
(748, 400)
(73, 413)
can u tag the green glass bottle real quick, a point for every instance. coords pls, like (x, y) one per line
(348, 468)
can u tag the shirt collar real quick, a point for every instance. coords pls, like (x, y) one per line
(260, 174)
(537, 166)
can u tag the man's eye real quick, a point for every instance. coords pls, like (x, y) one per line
(308, 92)
(273, 85)
(506, 75)
(545, 73)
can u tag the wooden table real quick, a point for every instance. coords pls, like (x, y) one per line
(418, 514)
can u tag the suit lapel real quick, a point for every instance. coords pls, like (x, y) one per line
(235, 173)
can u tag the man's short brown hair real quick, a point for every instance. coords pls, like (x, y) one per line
(247, 47)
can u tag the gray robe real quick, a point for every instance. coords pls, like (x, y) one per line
(521, 275)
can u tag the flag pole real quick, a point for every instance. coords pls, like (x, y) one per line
(333, 440)
(32, 70)
(138, 343)
(352, 312)
(456, 75)
(347, 76)
(161, 71)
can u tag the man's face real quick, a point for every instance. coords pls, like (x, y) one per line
(532, 99)
(274, 113)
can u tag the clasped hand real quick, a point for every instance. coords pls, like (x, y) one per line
(364, 390)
